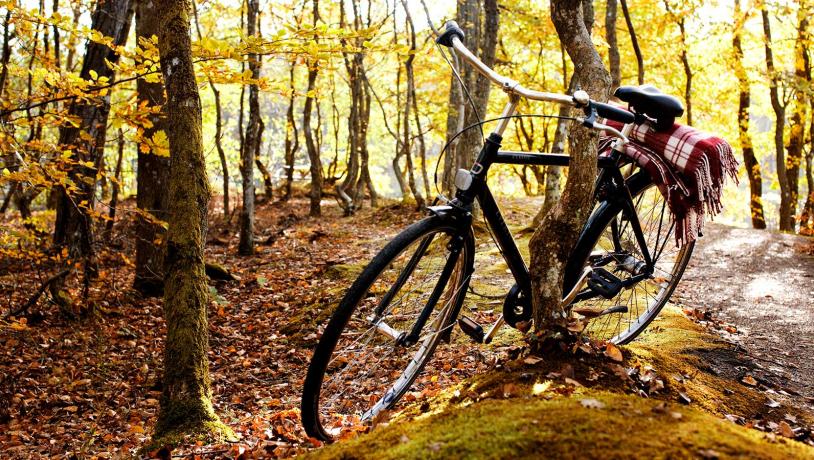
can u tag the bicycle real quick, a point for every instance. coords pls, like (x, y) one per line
(406, 302)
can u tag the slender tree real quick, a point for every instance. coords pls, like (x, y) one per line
(680, 20)
(786, 220)
(613, 44)
(292, 138)
(410, 95)
(480, 21)
(554, 239)
(310, 143)
(799, 107)
(634, 41)
(186, 401)
(224, 165)
(744, 101)
(152, 175)
(251, 140)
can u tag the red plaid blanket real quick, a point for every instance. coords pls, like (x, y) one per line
(689, 167)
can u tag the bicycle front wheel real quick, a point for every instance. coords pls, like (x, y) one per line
(609, 242)
(387, 327)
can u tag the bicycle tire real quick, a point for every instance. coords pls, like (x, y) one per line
(313, 384)
(639, 184)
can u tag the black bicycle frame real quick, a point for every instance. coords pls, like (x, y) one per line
(610, 181)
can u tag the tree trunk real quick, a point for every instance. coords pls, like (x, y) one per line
(186, 401)
(152, 176)
(613, 44)
(807, 216)
(554, 239)
(74, 222)
(554, 173)
(484, 27)
(6, 54)
(268, 186)
(744, 102)
(292, 138)
(410, 93)
(685, 61)
(114, 199)
(311, 146)
(786, 220)
(250, 141)
(224, 166)
(633, 41)
(799, 106)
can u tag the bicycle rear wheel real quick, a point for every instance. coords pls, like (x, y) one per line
(608, 241)
(364, 363)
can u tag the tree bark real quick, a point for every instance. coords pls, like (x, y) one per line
(554, 239)
(409, 103)
(292, 138)
(807, 216)
(186, 401)
(74, 220)
(251, 138)
(152, 176)
(117, 174)
(310, 144)
(480, 22)
(685, 60)
(224, 166)
(613, 44)
(799, 106)
(633, 41)
(6, 54)
(786, 220)
(744, 101)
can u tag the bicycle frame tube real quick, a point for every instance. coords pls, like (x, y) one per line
(479, 190)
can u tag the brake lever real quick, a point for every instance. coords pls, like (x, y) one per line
(590, 122)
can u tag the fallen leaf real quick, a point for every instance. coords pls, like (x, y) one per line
(532, 360)
(614, 353)
(784, 429)
(749, 380)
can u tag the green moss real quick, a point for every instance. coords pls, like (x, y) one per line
(518, 411)
(347, 272)
(185, 422)
(626, 427)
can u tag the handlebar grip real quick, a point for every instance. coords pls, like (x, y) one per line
(611, 112)
(452, 30)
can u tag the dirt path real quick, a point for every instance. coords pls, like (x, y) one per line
(763, 284)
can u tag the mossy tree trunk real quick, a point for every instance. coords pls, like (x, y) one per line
(186, 406)
(152, 175)
(554, 239)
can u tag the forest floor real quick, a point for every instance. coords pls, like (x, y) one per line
(89, 387)
(762, 284)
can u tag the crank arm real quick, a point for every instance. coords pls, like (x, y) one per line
(493, 330)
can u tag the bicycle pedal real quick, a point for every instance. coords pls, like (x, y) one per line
(604, 283)
(472, 329)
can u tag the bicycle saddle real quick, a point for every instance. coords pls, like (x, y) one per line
(648, 100)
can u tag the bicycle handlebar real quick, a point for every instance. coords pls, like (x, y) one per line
(453, 36)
